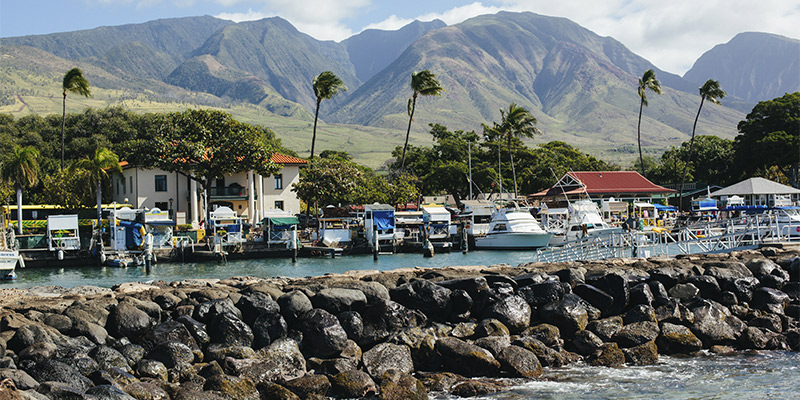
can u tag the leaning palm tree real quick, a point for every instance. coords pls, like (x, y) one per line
(21, 169)
(711, 91)
(517, 121)
(96, 171)
(647, 81)
(422, 83)
(73, 82)
(326, 85)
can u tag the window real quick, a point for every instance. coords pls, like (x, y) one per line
(278, 181)
(279, 204)
(161, 183)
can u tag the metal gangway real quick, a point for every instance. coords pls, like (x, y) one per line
(746, 232)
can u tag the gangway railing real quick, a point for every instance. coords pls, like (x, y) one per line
(708, 237)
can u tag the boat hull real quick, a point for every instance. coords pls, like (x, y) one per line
(8, 262)
(514, 241)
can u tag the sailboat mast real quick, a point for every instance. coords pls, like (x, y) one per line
(469, 158)
(499, 170)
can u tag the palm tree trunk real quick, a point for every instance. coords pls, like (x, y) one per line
(408, 132)
(99, 203)
(19, 210)
(314, 136)
(639, 138)
(689, 158)
(63, 121)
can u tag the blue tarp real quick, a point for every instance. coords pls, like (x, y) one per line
(133, 234)
(383, 219)
(704, 205)
(660, 207)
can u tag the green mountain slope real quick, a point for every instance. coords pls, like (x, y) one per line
(581, 87)
(754, 66)
(373, 49)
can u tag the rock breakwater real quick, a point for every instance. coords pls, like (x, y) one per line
(392, 335)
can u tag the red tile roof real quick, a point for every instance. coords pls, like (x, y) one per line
(279, 158)
(608, 182)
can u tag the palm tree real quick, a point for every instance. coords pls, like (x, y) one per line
(326, 86)
(422, 83)
(647, 81)
(96, 170)
(711, 91)
(21, 168)
(517, 121)
(73, 82)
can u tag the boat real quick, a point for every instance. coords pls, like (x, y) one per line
(379, 228)
(514, 229)
(582, 219)
(9, 254)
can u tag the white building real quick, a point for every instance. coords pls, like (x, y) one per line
(249, 194)
(759, 192)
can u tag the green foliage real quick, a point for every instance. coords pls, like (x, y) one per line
(714, 163)
(326, 86)
(329, 181)
(20, 168)
(67, 189)
(770, 137)
(74, 82)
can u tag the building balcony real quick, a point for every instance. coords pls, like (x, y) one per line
(232, 192)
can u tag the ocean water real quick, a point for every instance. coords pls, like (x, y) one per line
(270, 267)
(762, 375)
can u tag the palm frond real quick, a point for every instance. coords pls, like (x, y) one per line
(75, 82)
(327, 85)
(712, 91)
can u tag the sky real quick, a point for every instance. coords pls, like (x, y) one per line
(671, 34)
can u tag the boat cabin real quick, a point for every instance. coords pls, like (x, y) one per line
(379, 226)
(437, 222)
(279, 228)
(227, 228)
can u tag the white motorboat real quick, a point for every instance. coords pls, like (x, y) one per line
(9, 254)
(514, 229)
(583, 219)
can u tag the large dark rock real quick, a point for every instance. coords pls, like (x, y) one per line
(639, 313)
(674, 312)
(635, 334)
(267, 328)
(126, 319)
(493, 343)
(148, 368)
(617, 286)
(670, 275)
(280, 360)
(227, 329)
(108, 392)
(684, 291)
(60, 391)
(172, 354)
(772, 281)
(769, 299)
(707, 284)
(108, 358)
(641, 294)
(472, 285)
(792, 289)
(94, 312)
(513, 311)
(337, 300)
(753, 338)
(353, 324)
(548, 334)
(375, 292)
(660, 295)
(34, 333)
(274, 391)
(386, 356)
(167, 331)
(743, 287)
(51, 370)
(232, 387)
(491, 327)
(466, 359)
(206, 312)
(539, 294)
(323, 335)
(21, 379)
(596, 297)
(643, 354)
(726, 272)
(519, 362)
(710, 326)
(426, 296)
(606, 328)
(609, 355)
(569, 315)
(547, 356)
(309, 386)
(395, 385)
(383, 320)
(586, 342)
(85, 365)
(352, 384)
(293, 305)
(254, 304)
(572, 276)
(677, 339)
(61, 322)
(760, 267)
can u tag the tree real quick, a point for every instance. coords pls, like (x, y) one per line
(767, 134)
(422, 83)
(73, 82)
(647, 81)
(516, 122)
(326, 86)
(330, 181)
(21, 169)
(206, 145)
(711, 91)
(95, 170)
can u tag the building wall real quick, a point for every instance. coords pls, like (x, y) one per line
(290, 176)
(140, 189)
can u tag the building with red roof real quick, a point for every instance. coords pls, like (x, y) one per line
(602, 185)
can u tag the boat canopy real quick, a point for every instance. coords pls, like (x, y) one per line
(281, 221)
(383, 219)
(704, 205)
(661, 207)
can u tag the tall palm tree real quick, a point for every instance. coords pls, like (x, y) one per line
(73, 82)
(422, 83)
(517, 121)
(96, 170)
(21, 168)
(711, 91)
(326, 86)
(647, 81)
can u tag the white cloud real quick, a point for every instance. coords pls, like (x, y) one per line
(250, 15)
(450, 17)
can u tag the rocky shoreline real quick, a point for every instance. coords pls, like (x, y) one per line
(390, 335)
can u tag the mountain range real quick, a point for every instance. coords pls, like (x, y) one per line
(581, 87)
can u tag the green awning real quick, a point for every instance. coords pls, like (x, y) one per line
(281, 221)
